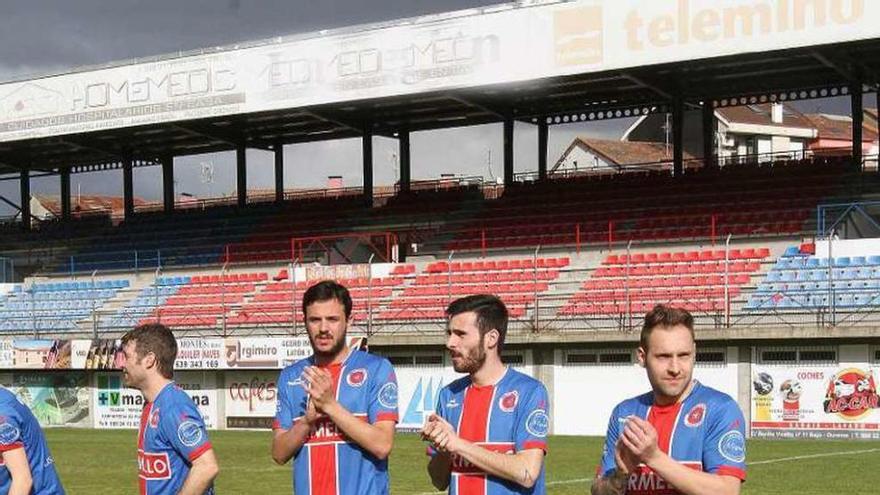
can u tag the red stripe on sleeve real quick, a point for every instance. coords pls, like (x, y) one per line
(731, 471)
(195, 454)
(11, 446)
(535, 444)
(386, 416)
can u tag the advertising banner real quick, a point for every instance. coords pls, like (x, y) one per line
(835, 402)
(250, 398)
(432, 53)
(117, 406)
(200, 354)
(56, 399)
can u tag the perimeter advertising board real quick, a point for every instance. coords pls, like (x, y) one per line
(833, 402)
(464, 49)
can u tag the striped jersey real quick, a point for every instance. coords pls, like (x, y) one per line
(507, 417)
(705, 432)
(20, 429)
(171, 436)
(329, 463)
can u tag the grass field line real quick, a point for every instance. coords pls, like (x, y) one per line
(766, 461)
(813, 456)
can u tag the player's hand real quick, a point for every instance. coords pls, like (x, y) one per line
(312, 414)
(441, 434)
(320, 387)
(624, 459)
(640, 438)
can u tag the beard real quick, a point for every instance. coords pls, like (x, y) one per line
(334, 351)
(472, 361)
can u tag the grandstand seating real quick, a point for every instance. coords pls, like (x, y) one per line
(55, 306)
(694, 280)
(800, 280)
(654, 206)
(516, 281)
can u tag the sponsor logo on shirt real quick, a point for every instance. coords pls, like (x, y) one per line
(153, 466)
(732, 446)
(695, 416)
(645, 481)
(9, 434)
(189, 433)
(388, 395)
(538, 423)
(508, 401)
(357, 377)
(451, 403)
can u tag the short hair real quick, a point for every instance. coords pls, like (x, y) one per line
(490, 310)
(665, 316)
(327, 290)
(155, 338)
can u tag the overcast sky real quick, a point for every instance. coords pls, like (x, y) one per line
(41, 36)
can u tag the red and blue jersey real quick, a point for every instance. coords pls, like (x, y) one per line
(20, 429)
(329, 463)
(705, 432)
(508, 417)
(171, 436)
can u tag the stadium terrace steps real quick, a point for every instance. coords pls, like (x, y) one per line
(516, 281)
(693, 279)
(802, 281)
(56, 306)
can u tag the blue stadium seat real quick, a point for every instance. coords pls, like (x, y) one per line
(792, 251)
(858, 261)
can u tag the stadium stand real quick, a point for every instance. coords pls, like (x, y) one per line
(801, 281)
(56, 306)
(517, 281)
(695, 280)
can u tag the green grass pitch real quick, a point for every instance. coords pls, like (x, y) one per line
(103, 462)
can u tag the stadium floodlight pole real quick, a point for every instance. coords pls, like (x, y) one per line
(727, 281)
(626, 288)
(535, 270)
(370, 296)
(94, 309)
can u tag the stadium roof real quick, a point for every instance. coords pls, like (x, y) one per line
(756, 69)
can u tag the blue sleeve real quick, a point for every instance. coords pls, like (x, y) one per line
(184, 429)
(10, 430)
(724, 448)
(283, 404)
(532, 420)
(608, 463)
(439, 410)
(383, 394)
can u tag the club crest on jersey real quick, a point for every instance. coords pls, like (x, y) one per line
(154, 419)
(357, 377)
(388, 395)
(9, 434)
(189, 433)
(695, 416)
(538, 423)
(508, 401)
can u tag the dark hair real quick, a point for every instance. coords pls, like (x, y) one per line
(665, 316)
(155, 338)
(491, 314)
(325, 291)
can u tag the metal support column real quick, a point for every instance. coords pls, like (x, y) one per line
(543, 135)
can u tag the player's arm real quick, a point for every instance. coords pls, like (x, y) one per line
(377, 438)
(287, 442)
(522, 468)
(440, 469)
(640, 438)
(614, 481)
(19, 470)
(201, 474)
